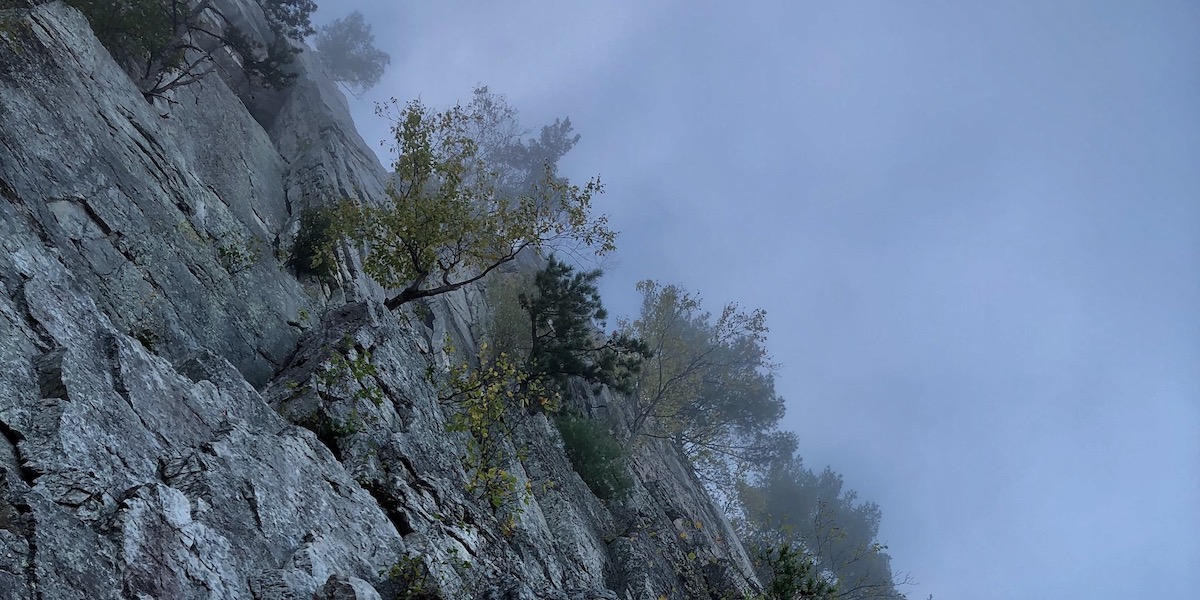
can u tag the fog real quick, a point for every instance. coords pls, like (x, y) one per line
(975, 228)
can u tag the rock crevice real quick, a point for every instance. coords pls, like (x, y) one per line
(170, 424)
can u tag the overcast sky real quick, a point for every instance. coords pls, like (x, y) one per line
(975, 227)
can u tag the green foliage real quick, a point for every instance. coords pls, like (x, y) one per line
(789, 504)
(565, 318)
(411, 576)
(329, 430)
(136, 31)
(521, 163)
(597, 456)
(359, 369)
(710, 385)
(312, 250)
(347, 49)
(262, 63)
(348, 374)
(553, 323)
(450, 223)
(165, 44)
(790, 574)
(238, 252)
(11, 26)
(489, 402)
(508, 330)
(290, 18)
(147, 336)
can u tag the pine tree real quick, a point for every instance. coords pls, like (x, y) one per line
(566, 320)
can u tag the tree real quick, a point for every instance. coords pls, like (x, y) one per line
(347, 49)
(167, 44)
(709, 385)
(449, 223)
(789, 573)
(289, 18)
(523, 162)
(566, 321)
(312, 251)
(792, 505)
(491, 402)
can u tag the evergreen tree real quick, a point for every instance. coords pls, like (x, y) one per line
(566, 320)
(790, 504)
(347, 49)
(167, 44)
(789, 573)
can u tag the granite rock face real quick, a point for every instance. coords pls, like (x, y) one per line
(183, 417)
(166, 221)
(125, 474)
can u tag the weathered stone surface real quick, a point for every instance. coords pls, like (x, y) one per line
(172, 219)
(666, 539)
(143, 480)
(327, 159)
(346, 588)
(139, 319)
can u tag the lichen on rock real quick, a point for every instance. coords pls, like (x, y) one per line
(166, 431)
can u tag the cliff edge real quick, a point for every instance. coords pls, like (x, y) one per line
(168, 429)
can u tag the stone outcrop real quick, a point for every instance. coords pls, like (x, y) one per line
(174, 425)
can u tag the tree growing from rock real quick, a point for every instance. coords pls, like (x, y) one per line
(789, 573)
(449, 223)
(791, 506)
(346, 47)
(709, 385)
(167, 44)
(566, 322)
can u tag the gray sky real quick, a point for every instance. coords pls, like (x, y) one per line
(975, 227)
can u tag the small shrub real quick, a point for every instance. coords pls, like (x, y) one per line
(489, 402)
(412, 577)
(342, 370)
(149, 338)
(12, 27)
(597, 456)
(329, 429)
(238, 252)
(312, 249)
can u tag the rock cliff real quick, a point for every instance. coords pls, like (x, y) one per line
(168, 427)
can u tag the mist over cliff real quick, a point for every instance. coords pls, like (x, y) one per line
(190, 413)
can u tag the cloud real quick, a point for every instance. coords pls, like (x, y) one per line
(974, 228)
